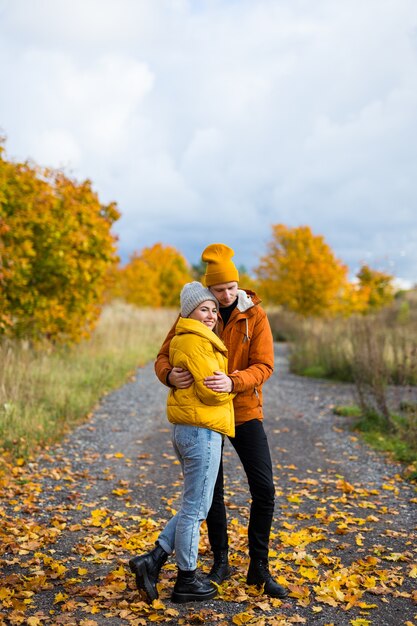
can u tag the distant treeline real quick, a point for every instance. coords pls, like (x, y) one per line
(59, 263)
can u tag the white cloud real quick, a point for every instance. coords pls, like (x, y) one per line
(212, 121)
(58, 146)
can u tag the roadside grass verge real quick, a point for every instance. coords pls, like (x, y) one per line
(378, 354)
(339, 348)
(398, 442)
(45, 392)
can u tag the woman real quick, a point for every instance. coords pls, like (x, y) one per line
(200, 418)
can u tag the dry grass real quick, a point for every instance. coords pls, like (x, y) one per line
(345, 349)
(378, 353)
(45, 392)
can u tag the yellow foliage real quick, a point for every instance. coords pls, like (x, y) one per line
(242, 618)
(56, 248)
(313, 582)
(60, 597)
(154, 277)
(372, 291)
(301, 272)
(375, 287)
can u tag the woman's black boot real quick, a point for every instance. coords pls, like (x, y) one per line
(146, 569)
(189, 587)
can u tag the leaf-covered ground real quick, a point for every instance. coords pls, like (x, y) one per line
(344, 535)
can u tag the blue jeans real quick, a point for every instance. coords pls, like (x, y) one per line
(199, 452)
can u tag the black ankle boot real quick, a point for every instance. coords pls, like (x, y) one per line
(146, 569)
(220, 570)
(259, 574)
(189, 587)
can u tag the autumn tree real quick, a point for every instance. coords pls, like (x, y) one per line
(301, 272)
(135, 283)
(375, 287)
(153, 277)
(55, 250)
(5, 319)
(372, 291)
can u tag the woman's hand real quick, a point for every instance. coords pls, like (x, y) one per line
(180, 378)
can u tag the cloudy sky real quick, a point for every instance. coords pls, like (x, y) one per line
(212, 120)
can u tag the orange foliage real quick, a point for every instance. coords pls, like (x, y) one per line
(153, 277)
(301, 272)
(375, 287)
(373, 291)
(5, 320)
(55, 251)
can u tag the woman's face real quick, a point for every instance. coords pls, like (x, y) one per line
(206, 312)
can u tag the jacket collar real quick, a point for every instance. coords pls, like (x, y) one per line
(187, 325)
(246, 300)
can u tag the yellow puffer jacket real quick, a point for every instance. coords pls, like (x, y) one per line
(248, 338)
(198, 349)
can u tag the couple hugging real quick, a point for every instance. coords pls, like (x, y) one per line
(215, 360)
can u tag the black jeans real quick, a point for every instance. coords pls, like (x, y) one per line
(252, 447)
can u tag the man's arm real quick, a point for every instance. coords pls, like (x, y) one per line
(200, 361)
(168, 375)
(260, 359)
(260, 364)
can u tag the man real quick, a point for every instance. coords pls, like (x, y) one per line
(245, 330)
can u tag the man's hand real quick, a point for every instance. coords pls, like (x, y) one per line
(219, 382)
(180, 378)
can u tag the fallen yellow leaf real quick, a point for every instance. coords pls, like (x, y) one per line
(242, 618)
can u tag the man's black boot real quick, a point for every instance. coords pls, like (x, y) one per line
(220, 570)
(259, 574)
(189, 587)
(146, 569)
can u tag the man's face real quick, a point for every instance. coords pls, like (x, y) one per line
(226, 293)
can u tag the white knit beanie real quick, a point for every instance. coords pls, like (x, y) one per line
(193, 294)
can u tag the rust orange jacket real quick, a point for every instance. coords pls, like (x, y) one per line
(248, 339)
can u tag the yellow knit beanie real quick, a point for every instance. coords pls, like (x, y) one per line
(220, 267)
